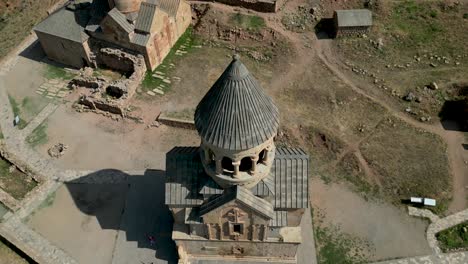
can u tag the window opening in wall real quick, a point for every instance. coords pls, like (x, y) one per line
(246, 164)
(237, 228)
(261, 156)
(226, 163)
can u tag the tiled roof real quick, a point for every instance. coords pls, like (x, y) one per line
(242, 195)
(236, 114)
(187, 181)
(121, 20)
(66, 24)
(184, 171)
(291, 170)
(265, 187)
(354, 18)
(145, 17)
(169, 6)
(280, 218)
(210, 187)
(140, 39)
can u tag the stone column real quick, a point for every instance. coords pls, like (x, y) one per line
(267, 152)
(236, 165)
(254, 164)
(219, 167)
(207, 155)
(210, 234)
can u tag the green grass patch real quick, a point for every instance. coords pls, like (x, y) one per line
(17, 112)
(337, 247)
(188, 40)
(16, 183)
(55, 72)
(454, 238)
(416, 20)
(253, 23)
(38, 136)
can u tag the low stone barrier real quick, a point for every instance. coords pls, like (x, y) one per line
(176, 122)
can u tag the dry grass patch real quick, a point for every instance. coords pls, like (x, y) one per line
(410, 162)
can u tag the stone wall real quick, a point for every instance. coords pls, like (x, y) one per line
(239, 249)
(351, 31)
(120, 91)
(64, 51)
(267, 6)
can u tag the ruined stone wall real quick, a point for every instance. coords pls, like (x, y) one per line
(135, 68)
(239, 249)
(64, 51)
(266, 6)
(116, 59)
(351, 31)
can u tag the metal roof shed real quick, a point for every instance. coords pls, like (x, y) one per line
(354, 18)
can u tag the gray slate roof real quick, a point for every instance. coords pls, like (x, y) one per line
(236, 114)
(291, 170)
(186, 180)
(354, 18)
(280, 218)
(145, 17)
(265, 187)
(66, 24)
(242, 195)
(140, 39)
(120, 19)
(169, 6)
(184, 172)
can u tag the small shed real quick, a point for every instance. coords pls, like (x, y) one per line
(352, 21)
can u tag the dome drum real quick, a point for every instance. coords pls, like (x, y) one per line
(238, 167)
(125, 6)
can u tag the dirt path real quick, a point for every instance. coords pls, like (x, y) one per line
(322, 52)
(453, 139)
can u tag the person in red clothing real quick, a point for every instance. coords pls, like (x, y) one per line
(152, 240)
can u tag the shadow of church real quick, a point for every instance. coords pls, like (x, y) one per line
(143, 213)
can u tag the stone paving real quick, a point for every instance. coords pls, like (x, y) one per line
(449, 258)
(54, 89)
(437, 224)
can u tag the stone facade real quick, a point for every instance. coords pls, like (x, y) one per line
(68, 52)
(74, 35)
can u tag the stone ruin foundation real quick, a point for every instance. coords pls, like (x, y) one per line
(112, 96)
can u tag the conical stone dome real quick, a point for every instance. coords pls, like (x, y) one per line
(236, 114)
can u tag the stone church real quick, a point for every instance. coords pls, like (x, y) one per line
(74, 34)
(237, 197)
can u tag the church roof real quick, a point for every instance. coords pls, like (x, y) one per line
(241, 195)
(236, 114)
(186, 180)
(65, 23)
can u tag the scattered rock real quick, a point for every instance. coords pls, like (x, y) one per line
(433, 86)
(57, 150)
(418, 99)
(409, 97)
